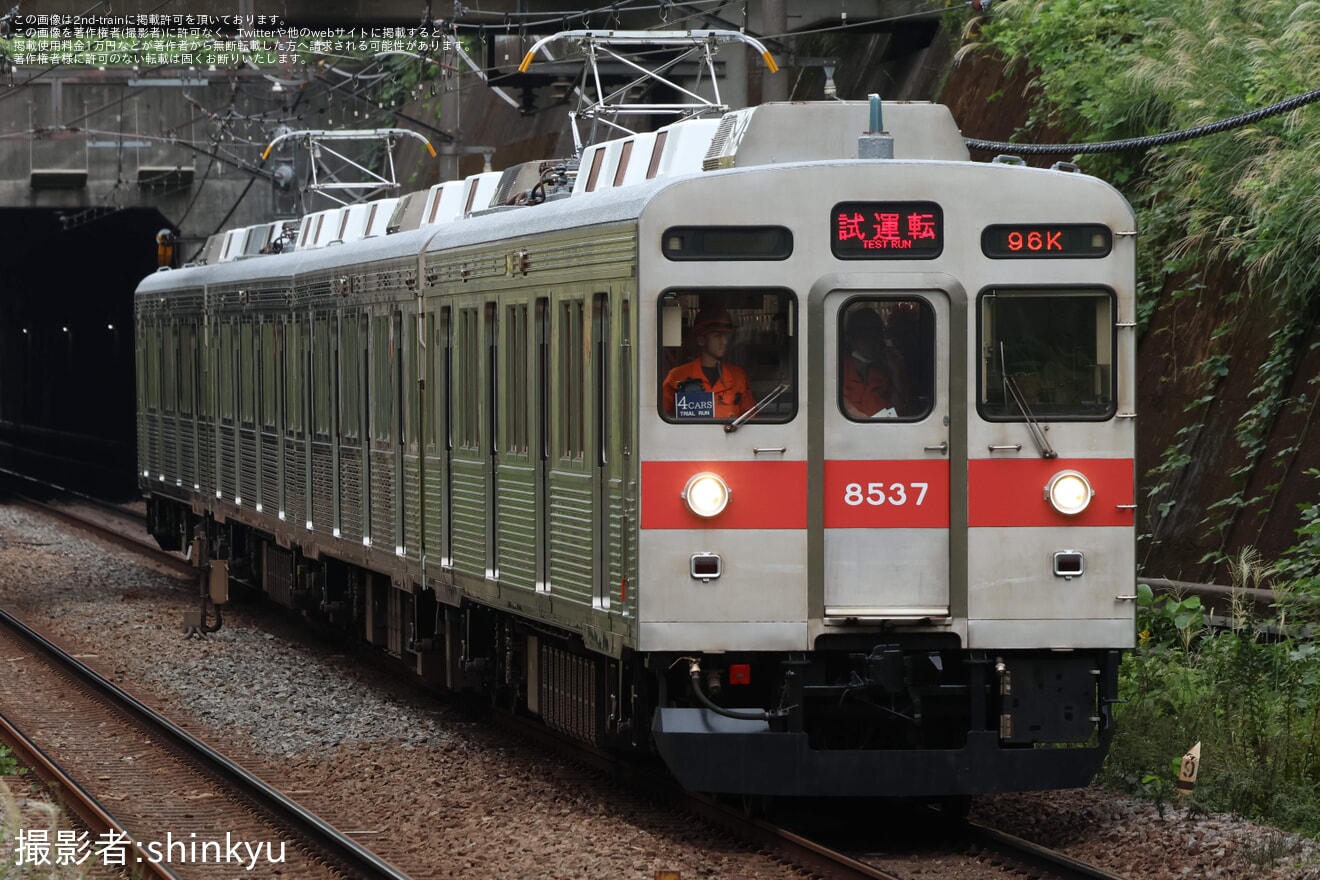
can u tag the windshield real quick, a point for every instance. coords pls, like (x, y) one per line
(727, 353)
(1046, 354)
(886, 359)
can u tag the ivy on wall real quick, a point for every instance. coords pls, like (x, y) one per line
(1250, 197)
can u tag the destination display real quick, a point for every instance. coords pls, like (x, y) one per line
(1074, 240)
(887, 230)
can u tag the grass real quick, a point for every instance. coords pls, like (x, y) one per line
(26, 817)
(1249, 693)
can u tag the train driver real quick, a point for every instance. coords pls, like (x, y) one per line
(872, 373)
(707, 387)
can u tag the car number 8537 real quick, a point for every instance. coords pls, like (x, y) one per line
(876, 494)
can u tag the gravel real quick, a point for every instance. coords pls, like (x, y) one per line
(1137, 840)
(443, 797)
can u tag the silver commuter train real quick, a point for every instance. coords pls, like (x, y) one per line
(902, 567)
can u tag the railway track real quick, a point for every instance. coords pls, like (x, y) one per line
(807, 850)
(837, 853)
(827, 843)
(119, 524)
(179, 809)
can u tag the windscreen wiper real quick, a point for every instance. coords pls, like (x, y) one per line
(762, 404)
(1033, 426)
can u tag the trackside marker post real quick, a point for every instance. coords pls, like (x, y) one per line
(1191, 763)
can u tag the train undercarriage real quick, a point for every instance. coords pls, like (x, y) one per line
(889, 714)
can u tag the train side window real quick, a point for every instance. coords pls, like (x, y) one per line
(294, 379)
(727, 353)
(382, 377)
(886, 359)
(517, 401)
(169, 393)
(225, 361)
(1046, 353)
(187, 375)
(247, 371)
(571, 381)
(656, 152)
(351, 350)
(270, 350)
(324, 359)
(405, 335)
(625, 153)
(148, 356)
(467, 377)
(596, 161)
(155, 345)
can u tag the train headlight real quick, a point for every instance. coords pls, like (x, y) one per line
(1069, 492)
(706, 494)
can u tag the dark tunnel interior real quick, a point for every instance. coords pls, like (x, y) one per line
(67, 278)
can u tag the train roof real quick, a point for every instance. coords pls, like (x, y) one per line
(612, 183)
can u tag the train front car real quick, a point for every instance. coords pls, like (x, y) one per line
(886, 462)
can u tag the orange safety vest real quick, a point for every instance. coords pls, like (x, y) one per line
(733, 396)
(870, 394)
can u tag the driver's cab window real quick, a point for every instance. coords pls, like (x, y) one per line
(727, 355)
(886, 359)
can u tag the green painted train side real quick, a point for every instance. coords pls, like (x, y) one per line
(477, 442)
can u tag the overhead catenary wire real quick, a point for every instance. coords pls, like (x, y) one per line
(1153, 140)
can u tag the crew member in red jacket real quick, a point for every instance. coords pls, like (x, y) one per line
(872, 372)
(708, 373)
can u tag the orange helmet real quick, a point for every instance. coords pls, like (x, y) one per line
(712, 319)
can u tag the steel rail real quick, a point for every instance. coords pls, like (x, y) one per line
(177, 564)
(1037, 856)
(359, 861)
(74, 797)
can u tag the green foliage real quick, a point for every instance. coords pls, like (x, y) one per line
(1301, 564)
(1168, 619)
(1249, 197)
(34, 814)
(1247, 690)
(1125, 68)
(9, 765)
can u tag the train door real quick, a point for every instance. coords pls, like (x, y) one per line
(516, 474)
(226, 457)
(170, 402)
(206, 403)
(541, 383)
(492, 456)
(297, 385)
(886, 411)
(469, 459)
(409, 476)
(439, 438)
(570, 521)
(270, 413)
(385, 438)
(190, 402)
(354, 513)
(601, 458)
(249, 386)
(323, 486)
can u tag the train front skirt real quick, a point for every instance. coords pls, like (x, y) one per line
(708, 752)
(1051, 735)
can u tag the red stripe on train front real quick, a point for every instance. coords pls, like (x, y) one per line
(762, 495)
(887, 494)
(1012, 492)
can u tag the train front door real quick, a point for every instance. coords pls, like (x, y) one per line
(886, 443)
